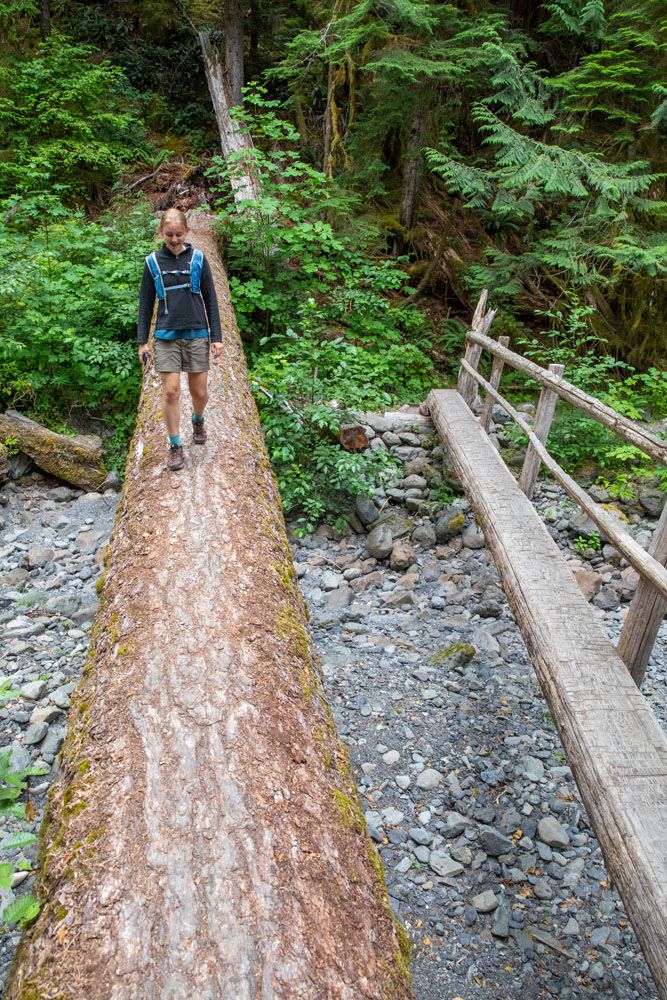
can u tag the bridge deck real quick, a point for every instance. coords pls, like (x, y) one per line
(615, 747)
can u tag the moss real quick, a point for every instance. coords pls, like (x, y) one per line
(349, 809)
(288, 626)
(99, 583)
(61, 913)
(95, 834)
(83, 767)
(456, 522)
(462, 652)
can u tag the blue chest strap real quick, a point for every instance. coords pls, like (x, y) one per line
(195, 272)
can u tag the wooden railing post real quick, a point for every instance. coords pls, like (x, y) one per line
(645, 613)
(543, 417)
(466, 384)
(496, 372)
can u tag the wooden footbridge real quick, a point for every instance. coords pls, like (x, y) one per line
(614, 744)
(205, 837)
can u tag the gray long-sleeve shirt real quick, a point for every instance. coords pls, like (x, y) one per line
(187, 310)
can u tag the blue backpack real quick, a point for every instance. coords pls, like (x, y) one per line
(194, 272)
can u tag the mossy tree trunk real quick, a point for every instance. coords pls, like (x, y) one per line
(205, 837)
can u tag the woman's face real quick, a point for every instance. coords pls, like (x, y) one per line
(174, 236)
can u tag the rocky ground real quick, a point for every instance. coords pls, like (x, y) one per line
(489, 858)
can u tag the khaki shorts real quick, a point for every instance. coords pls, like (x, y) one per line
(181, 355)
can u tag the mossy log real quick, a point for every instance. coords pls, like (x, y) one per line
(77, 460)
(205, 837)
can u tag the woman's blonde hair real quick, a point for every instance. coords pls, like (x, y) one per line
(172, 214)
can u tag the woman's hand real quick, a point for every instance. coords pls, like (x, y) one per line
(142, 353)
(216, 349)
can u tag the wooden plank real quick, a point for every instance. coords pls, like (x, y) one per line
(646, 612)
(546, 408)
(496, 374)
(611, 529)
(615, 747)
(632, 432)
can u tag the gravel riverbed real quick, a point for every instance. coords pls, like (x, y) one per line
(489, 858)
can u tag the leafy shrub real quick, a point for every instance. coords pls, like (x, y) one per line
(66, 121)
(68, 293)
(324, 317)
(12, 785)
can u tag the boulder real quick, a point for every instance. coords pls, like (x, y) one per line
(4, 465)
(380, 542)
(77, 460)
(450, 523)
(402, 555)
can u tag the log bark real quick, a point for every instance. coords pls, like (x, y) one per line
(614, 745)
(77, 460)
(232, 28)
(412, 173)
(205, 838)
(233, 140)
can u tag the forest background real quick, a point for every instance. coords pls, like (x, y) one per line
(411, 153)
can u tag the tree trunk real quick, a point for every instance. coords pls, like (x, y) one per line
(232, 26)
(244, 182)
(77, 460)
(44, 19)
(205, 837)
(412, 173)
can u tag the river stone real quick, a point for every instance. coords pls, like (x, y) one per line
(485, 902)
(402, 555)
(380, 542)
(652, 500)
(550, 831)
(424, 535)
(494, 842)
(38, 555)
(35, 733)
(473, 537)
(34, 691)
(429, 779)
(449, 524)
(532, 767)
(366, 510)
(444, 865)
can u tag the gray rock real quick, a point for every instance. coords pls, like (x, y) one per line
(62, 604)
(420, 836)
(60, 697)
(34, 691)
(494, 842)
(424, 535)
(444, 865)
(380, 542)
(341, 598)
(473, 537)
(552, 833)
(455, 824)
(428, 779)
(38, 555)
(331, 581)
(450, 523)
(501, 926)
(36, 733)
(532, 767)
(365, 509)
(542, 889)
(485, 902)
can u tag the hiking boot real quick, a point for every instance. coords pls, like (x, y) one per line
(198, 432)
(176, 457)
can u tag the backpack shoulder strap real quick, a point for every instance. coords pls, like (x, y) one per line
(154, 268)
(196, 268)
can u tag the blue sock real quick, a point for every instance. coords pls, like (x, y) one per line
(175, 439)
(197, 418)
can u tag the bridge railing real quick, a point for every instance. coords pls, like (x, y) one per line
(650, 600)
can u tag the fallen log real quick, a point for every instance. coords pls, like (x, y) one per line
(205, 837)
(77, 460)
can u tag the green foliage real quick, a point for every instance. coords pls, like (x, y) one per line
(66, 121)
(583, 543)
(329, 326)
(12, 786)
(68, 305)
